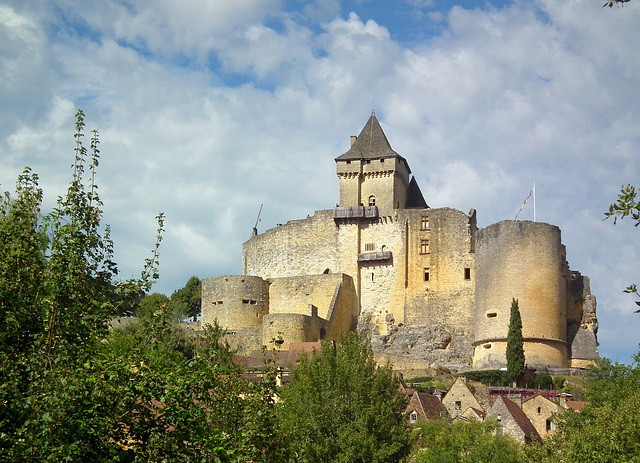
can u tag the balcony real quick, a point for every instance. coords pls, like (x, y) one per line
(374, 256)
(356, 212)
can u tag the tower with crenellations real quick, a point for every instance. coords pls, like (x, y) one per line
(425, 285)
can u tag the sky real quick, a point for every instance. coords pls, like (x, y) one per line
(208, 109)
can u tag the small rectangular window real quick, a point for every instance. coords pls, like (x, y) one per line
(458, 404)
(467, 273)
(369, 247)
(424, 246)
(424, 224)
(426, 274)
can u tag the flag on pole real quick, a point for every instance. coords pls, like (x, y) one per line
(524, 203)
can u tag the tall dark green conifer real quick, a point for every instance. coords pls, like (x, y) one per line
(515, 344)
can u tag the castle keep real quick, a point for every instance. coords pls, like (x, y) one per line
(425, 285)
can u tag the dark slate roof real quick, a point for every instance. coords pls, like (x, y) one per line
(372, 143)
(584, 345)
(414, 197)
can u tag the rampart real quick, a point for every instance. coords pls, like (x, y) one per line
(525, 261)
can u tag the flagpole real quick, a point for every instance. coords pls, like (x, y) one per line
(534, 201)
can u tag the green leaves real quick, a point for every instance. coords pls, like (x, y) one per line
(340, 406)
(515, 344)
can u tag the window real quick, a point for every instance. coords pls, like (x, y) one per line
(372, 200)
(414, 416)
(492, 315)
(424, 224)
(548, 425)
(369, 247)
(467, 273)
(426, 274)
(540, 411)
(458, 404)
(424, 246)
(381, 159)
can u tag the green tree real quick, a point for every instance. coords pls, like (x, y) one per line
(73, 390)
(604, 431)
(627, 205)
(186, 301)
(154, 303)
(515, 344)
(341, 407)
(472, 442)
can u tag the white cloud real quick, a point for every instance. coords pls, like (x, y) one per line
(545, 91)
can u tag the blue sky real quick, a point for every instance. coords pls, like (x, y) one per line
(209, 108)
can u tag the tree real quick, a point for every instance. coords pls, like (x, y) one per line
(341, 407)
(604, 431)
(515, 344)
(472, 442)
(73, 390)
(186, 301)
(626, 206)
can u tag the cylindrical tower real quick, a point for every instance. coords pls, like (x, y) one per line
(525, 261)
(238, 301)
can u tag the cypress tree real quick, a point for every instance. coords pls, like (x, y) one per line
(515, 344)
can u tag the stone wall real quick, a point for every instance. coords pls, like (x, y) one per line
(299, 247)
(235, 301)
(525, 261)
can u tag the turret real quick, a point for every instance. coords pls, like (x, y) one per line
(372, 174)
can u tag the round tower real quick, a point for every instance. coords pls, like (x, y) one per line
(525, 261)
(237, 301)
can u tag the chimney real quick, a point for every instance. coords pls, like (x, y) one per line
(353, 139)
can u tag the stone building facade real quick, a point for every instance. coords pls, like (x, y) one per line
(425, 285)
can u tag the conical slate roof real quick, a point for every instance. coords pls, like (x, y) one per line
(370, 144)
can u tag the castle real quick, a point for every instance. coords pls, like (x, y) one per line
(426, 286)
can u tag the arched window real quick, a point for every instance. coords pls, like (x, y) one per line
(372, 200)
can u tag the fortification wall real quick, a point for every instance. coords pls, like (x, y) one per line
(235, 301)
(295, 294)
(382, 281)
(291, 328)
(299, 247)
(525, 261)
(440, 244)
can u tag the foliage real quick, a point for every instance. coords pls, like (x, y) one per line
(542, 381)
(70, 389)
(186, 301)
(341, 407)
(627, 205)
(559, 381)
(488, 377)
(154, 303)
(515, 344)
(607, 429)
(464, 442)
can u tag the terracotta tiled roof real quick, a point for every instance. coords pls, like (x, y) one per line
(427, 405)
(575, 406)
(521, 419)
(372, 143)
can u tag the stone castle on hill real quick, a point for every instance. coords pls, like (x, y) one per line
(425, 285)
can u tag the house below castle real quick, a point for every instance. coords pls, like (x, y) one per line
(425, 285)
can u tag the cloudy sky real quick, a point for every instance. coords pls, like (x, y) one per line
(209, 108)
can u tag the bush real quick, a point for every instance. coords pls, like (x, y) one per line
(489, 377)
(542, 381)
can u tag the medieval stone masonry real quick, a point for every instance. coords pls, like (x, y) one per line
(426, 286)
